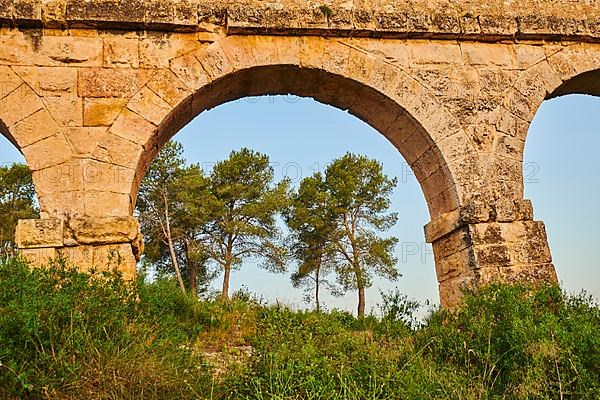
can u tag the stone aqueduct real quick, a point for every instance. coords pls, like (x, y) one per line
(91, 90)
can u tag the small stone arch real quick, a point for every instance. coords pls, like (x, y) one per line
(566, 69)
(569, 69)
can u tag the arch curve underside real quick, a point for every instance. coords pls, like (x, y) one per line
(382, 113)
(586, 83)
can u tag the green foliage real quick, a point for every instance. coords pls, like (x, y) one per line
(192, 222)
(244, 221)
(310, 219)
(336, 220)
(326, 11)
(66, 335)
(397, 307)
(174, 206)
(17, 201)
(196, 222)
(521, 343)
(507, 342)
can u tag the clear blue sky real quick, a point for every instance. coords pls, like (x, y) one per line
(302, 136)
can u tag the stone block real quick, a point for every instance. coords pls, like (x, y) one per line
(426, 52)
(455, 265)
(158, 13)
(28, 13)
(9, 81)
(436, 183)
(39, 257)
(66, 110)
(106, 13)
(121, 52)
(53, 205)
(528, 55)
(79, 257)
(60, 178)
(102, 111)
(189, 70)
(150, 106)
(50, 81)
(442, 202)
(158, 50)
(104, 230)
(6, 11)
(133, 127)
(214, 61)
(116, 150)
(115, 258)
(39, 233)
(104, 176)
(452, 290)
(54, 14)
(34, 128)
(427, 163)
(111, 82)
(166, 85)
(237, 51)
(442, 226)
(185, 12)
(499, 26)
(19, 104)
(69, 50)
(105, 203)
(452, 243)
(482, 54)
(495, 255)
(84, 140)
(53, 150)
(519, 105)
(535, 274)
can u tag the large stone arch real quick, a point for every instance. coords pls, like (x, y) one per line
(394, 103)
(469, 245)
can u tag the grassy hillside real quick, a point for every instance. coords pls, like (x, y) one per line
(64, 335)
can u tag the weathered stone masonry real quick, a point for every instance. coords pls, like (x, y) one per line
(91, 89)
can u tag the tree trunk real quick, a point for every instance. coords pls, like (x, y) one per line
(317, 291)
(176, 264)
(361, 302)
(360, 284)
(171, 248)
(225, 291)
(194, 278)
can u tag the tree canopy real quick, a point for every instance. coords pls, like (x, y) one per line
(244, 223)
(174, 206)
(197, 225)
(336, 220)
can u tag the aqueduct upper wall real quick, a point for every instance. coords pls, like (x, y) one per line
(479, 19)
(91, 89)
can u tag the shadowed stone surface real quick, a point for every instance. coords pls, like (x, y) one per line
(91, 89)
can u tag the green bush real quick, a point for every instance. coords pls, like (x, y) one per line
(508, 342)
(520, 343)
(66, 335)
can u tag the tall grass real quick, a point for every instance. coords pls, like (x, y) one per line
(66, 335)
